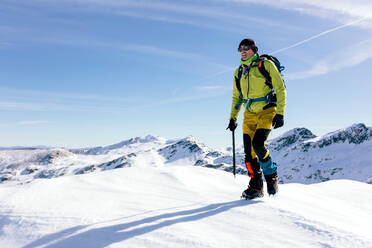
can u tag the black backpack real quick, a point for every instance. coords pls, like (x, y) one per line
(262, 70)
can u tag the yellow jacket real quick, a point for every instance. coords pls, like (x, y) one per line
(253, 85)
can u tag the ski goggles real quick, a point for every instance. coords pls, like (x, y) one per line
(244, 48)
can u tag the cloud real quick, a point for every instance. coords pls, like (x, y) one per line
(354, 8)
(29, 123)
(45, 101)
(338, 10)
(210, 14)
(213, 89)
(351, 56)
(317, 36)
(58, 96)
(359, 54)
(76, 41)
(155, 50)
(48, 106)
(174, 9)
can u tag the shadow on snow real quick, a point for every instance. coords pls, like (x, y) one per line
(104, 236)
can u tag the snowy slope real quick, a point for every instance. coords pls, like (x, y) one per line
(301, 156)
(161, 205)
(153, 192)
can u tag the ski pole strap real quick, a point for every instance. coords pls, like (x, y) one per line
(266, 98)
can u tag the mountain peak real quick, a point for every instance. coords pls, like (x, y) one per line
(358, 128)
(354, 134)
(132, 141)
(300, 133)
(291, 137)
(191, 138)
(140, 140)
(182, 148)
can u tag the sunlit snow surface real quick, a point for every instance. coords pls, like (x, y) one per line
(181, 206)
(152, 192)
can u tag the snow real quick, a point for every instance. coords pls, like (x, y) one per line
(124, 146)
(300, 155)
(165, 205)
(153, 192)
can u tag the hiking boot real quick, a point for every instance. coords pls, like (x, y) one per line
(255, 187)
(252, 193)
(272, 183)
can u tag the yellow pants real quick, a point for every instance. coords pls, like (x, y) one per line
(254, 121)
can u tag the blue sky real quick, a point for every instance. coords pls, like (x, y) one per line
(94, 72)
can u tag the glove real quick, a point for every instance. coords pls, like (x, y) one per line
(278, 121)
(232, 125)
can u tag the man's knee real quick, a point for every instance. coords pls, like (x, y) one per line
(258, 142)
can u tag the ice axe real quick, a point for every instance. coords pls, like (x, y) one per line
(233, 148)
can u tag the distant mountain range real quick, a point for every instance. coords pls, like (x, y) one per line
(301, 156)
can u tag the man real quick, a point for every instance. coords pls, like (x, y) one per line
(264, 109)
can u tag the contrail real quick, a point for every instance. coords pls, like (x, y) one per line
(318, 35)
(302, 42)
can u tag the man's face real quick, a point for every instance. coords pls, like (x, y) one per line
(246, 52)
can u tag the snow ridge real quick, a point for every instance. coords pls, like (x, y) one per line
(130, 142)
(301, 157)
(188, 148)
(291, 137)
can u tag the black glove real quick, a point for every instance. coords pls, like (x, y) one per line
(278, 121)
(232, 125)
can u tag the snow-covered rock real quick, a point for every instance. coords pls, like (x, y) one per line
(188, 148)
(301, 156)
(292, 137)
(346, 153)
(356, 134)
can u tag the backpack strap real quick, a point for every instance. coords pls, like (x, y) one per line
(237, 84)
(269, 98)
(242, 69)
(265, 73)
(237, 79)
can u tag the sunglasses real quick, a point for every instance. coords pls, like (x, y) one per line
(244, 48)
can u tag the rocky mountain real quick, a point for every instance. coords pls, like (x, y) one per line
(124, 145)
(301, 156)
(292, 137)
(188, 148)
